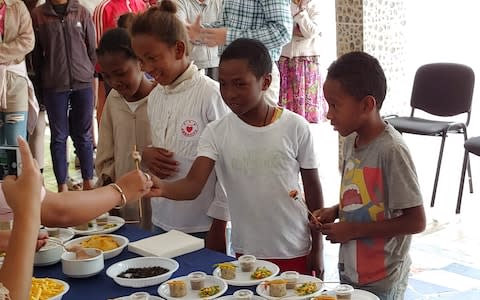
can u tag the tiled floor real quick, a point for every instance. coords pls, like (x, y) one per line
(446, 264)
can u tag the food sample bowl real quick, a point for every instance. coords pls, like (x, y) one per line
(121, 241)
(49, 254)
(81, 268)
(142, 262)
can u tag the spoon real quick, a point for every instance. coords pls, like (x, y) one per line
(79, 251)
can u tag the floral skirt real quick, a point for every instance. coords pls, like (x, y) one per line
(301, 85)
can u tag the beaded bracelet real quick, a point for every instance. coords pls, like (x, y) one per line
(119, 189)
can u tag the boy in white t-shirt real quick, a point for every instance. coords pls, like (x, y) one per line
(258, 152)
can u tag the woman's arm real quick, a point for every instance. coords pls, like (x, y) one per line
(73, 208)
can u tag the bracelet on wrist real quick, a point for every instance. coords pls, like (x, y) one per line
(122, 195)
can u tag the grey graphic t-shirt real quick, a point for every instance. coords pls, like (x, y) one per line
(378, 181)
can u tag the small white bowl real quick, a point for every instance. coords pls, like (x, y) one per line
(121, 240)
(81, 268)
(142, 262)
(49, 254)
(64, 234)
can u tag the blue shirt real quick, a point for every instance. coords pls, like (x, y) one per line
(269, 21)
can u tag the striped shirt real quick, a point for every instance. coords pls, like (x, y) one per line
(269, 21)
(106, 13)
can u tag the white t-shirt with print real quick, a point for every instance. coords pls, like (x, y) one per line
(178, 116)
(258, 167)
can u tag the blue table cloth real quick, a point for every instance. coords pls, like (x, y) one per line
(103, 287)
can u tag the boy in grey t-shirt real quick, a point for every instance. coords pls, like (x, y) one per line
(380, 201)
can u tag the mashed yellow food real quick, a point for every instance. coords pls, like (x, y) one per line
(102, 242)
(45, 288)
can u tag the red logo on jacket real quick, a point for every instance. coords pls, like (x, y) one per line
(189, 128)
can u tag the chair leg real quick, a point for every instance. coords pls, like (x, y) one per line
(462, 181)
(470, 182)
(437, 175)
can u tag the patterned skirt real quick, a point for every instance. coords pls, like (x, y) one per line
(301, 86)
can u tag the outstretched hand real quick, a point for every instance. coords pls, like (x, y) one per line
(135, 184)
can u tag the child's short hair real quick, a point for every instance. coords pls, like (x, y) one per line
(162, 23)
(116, 40)
(256, 54)
(125, 20)
(361, 75)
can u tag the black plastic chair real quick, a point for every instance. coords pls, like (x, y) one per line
(442, 90)
(472, 145)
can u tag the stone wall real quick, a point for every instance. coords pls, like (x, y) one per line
(378, 28)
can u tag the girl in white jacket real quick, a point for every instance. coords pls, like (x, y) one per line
(179, 109)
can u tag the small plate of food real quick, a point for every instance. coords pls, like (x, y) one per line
(246, 271)
(291, 287)
(111, 244)
(101, 225)
(142, 271)
(48, 288)
(195, 286)
(345, 291)
(241, 295)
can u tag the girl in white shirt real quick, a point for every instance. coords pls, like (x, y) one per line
(179, 109)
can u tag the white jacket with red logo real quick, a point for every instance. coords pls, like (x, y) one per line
(178, 115)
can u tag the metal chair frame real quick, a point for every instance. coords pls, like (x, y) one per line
(424, 89)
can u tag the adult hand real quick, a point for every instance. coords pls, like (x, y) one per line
(135, 184)
(214, 36)
(194, 29)
(296, 31)
(22, 193)
(159, 162)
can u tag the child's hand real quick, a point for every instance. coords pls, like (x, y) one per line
(41, 240)
(156, 190)
(135, 184)
(22, 193)
(5, 237)
(326, 215)
(159, 162)
(340, 232)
